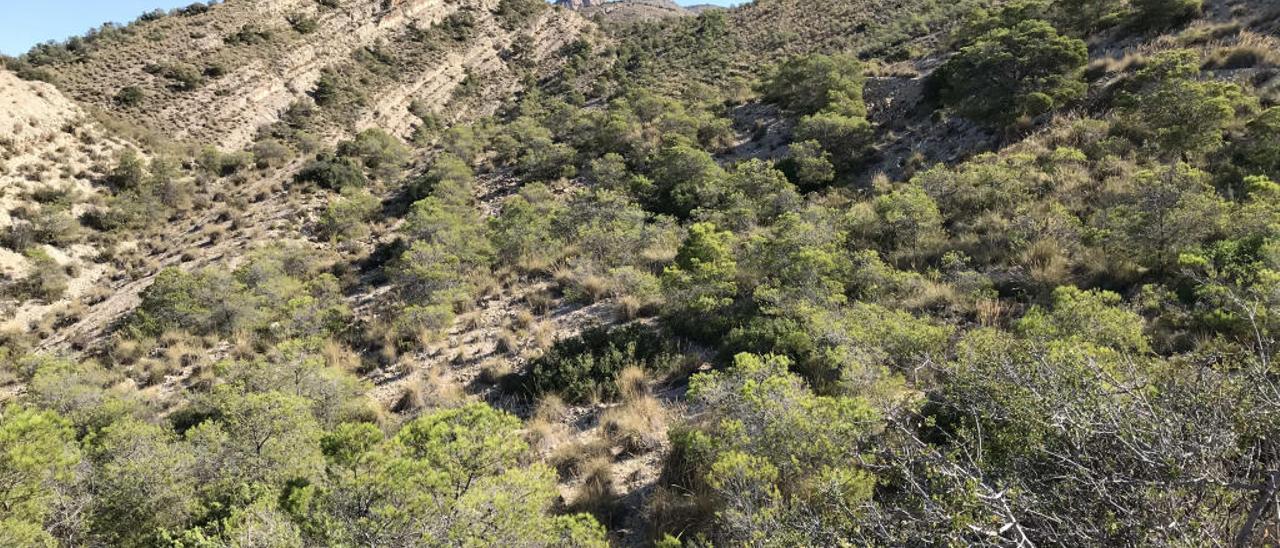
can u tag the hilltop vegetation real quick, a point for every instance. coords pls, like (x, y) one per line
(906, 273)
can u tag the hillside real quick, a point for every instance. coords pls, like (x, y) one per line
(631, 11)
(217, 75)
(483, 272)
(260, 97)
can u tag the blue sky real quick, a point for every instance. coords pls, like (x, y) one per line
(25, 23)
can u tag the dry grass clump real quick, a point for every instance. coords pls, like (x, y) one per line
(543, 336)
(581, 285)
(152, 371)
(508, 342)
(242, 346)
(1237, 58)
(595, 493)
(1247, 54)
(125, 351)
(593, 287)
(551, 408)
(338, 356)
(932, 294)
(1047, 262)
(494, 371)
(637, 426)
(629, 307)
(522, 318)
(540, 302)
(1130, 61)
(430, 389)
(990, 312)
(632, 383)
(546, 428)
(570, 458)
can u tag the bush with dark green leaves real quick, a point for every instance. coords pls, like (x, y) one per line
(1174, 113)
(584, 368)
(183, 77)
(1014, 73)
(301, 23)
(514, 14)
(279, 292)
(812, 83)
(826, 92)
(129, 96)
(1157, 14)
(333, 173)
(380, 152)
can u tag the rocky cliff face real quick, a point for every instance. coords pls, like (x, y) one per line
(217, 77)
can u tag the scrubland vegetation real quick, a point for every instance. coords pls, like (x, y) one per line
(1063, 336)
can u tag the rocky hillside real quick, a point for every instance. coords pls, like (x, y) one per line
(288, 76)
(498, 272)
(631, 11)
(52, 157)
(219, 74)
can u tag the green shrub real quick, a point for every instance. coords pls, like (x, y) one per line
(330, 89)
(826, 91)
(221, 164)
(1086, 16)
(524, 233)
(278, 293)
(249, 34)
(847, 137)
(584, 367)
(701, 285)
(1093, 316)
(46, 280)
(346, 217)
(685, 177)
(448, 173)
(129, 173)
(1157, 14)
(1013, 73)
(514, 14)
(55, 226)
(1258, 150)
(184, 77)
(812, 83)
(1173, 112)
(333, 173)
(458, 26)
(417, 320)
(215, 70)
(810, 165)
(129, 96)
(381, 153)
(195, 8)
(270, 153)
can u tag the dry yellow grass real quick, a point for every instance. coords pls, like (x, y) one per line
(632, 383)
(596, 493)
(637, 426)
(571, 458)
